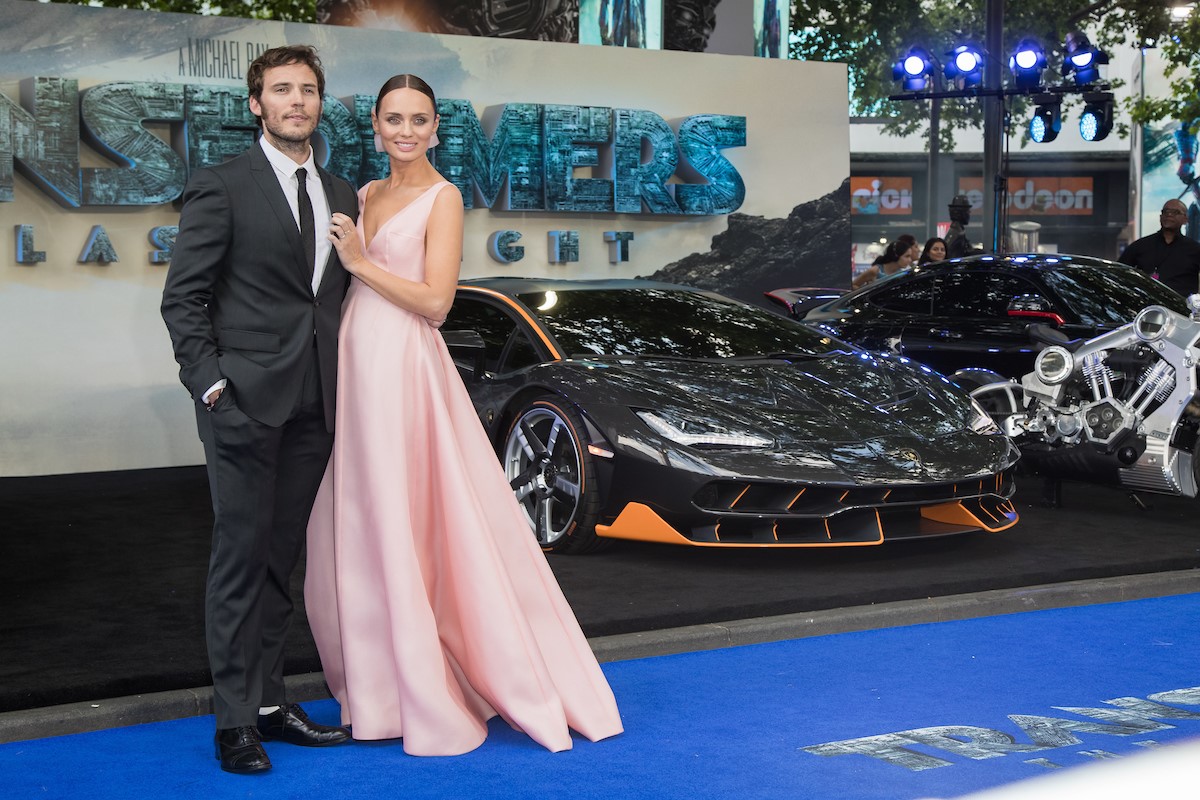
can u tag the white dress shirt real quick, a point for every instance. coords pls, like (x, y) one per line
(285, 173)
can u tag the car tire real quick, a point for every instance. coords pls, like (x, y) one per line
(547, 463)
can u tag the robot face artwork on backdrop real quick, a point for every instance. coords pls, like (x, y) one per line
(544, 20)
(652, 24)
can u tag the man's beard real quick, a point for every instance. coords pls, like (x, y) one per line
(292, 137)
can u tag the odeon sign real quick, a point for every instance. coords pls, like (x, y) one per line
(527, 164)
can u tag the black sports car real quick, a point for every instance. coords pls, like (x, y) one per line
(638, 410)
(973, 312)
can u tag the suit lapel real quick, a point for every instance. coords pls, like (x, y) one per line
(331, 201)
(268, 183)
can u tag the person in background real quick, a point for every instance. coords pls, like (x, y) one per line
(905, 239)
(1167, 255)
(896, 257)
(935, 250)
(914, 251)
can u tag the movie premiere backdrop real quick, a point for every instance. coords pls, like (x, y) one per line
(574, 162)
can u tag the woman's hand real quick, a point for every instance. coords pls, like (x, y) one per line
(344, 236)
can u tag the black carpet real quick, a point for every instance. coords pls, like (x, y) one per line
(102, 576)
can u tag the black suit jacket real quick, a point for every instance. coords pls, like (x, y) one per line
(238, 300)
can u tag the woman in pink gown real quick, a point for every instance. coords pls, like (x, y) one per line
(431, 605)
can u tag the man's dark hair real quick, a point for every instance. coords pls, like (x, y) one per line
(281, 57)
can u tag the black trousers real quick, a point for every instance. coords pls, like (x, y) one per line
(263, 481)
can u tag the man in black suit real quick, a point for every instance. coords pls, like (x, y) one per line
(252, 302)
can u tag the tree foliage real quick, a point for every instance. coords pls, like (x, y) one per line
(869, 35)
(1181, 53)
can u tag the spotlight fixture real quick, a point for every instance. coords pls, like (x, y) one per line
(964, 66)
(1082, 59)
(1027, 62)
(1097, 118)
(1047, 118)
(915, 69)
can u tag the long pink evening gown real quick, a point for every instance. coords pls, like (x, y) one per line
(432, 607)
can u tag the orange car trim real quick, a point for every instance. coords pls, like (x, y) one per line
(957, 514)
(741, 494)
(508, 301)
(797, 497)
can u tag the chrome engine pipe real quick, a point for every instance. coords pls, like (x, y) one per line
(1160, 376)
(1094, 369)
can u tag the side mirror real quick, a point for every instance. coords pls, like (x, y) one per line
(466, 346)
(1034, 307)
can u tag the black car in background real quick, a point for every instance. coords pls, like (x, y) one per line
(625, 409)
(973, 312)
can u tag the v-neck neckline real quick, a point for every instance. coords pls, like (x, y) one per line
(395, 214)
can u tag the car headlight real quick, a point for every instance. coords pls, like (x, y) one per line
(693, 432)
(981, 421)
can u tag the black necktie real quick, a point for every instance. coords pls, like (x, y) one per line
(308, 234)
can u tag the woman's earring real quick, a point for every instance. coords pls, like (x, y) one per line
(434, 141)
(378, 144)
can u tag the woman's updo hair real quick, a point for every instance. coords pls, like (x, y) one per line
(405, 81)
(894, 251)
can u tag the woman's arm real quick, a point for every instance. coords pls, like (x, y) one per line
(432, 297)
(863, 278)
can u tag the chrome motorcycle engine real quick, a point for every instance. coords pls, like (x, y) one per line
(1123, 405)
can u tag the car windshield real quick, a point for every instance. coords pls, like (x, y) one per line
(1107, 296)
(669, 322)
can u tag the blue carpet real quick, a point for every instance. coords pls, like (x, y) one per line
(923, 711)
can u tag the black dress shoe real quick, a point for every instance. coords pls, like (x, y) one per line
(240, 751)
(290, 724)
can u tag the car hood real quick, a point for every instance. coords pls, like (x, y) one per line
(843, 397)
(848, 415)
